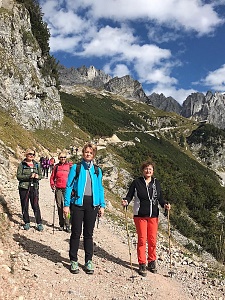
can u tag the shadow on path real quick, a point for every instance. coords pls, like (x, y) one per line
(101, 253)
(44, 251)
(34, 247)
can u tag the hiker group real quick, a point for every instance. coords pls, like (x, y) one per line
(79, 196)
(47, 165)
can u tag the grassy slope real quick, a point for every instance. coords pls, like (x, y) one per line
(191, 188)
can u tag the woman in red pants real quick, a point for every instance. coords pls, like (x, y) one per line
(147, 195)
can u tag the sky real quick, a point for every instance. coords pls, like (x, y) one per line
(174, 47)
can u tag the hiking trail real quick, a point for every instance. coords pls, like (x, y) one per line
(39, 262)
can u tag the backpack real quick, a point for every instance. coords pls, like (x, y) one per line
(78, 170)
(73, 193)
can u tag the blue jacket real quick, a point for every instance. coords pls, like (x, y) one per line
(78, 186)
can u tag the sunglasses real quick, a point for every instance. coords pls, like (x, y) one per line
(30, 154)
(62, 156)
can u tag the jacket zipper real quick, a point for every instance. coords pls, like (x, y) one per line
(150, 200)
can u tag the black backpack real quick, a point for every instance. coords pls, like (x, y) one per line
(73, 194)
(78, 170)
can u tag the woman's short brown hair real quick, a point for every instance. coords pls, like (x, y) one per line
(147, 163)
(92, 146)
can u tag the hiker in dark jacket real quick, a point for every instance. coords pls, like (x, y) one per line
(29, 174)
(58, 181)
(87, 202)
(45, 166)
(147, 195)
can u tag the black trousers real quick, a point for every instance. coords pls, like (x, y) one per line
(45, 172)
(32, 195)
(83, 216)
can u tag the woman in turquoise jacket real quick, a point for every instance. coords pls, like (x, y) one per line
(84, 196)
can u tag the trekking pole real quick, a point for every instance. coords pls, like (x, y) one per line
(171, 273)
(128, 238)
(53, 224)
(97, 221)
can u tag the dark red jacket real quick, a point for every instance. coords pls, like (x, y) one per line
(59, 175)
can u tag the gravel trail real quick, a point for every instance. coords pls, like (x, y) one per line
(39, 265)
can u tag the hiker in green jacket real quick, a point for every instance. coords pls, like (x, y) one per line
(29, 174)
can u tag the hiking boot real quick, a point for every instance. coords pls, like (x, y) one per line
(152, 266)
(26, 226)
(40, 227)
(74, 268)
(89, 268)
(142, 270)
(68, 229)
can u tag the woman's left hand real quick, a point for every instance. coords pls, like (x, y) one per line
(167, 206)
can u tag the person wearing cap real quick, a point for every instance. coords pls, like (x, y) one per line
(58, 182)
(29, 173)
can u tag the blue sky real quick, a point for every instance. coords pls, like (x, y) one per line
(174, 47)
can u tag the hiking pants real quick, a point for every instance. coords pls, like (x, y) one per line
(146, 228)
(31, 194)
(83, 215)
(59, 197)
(45, 172)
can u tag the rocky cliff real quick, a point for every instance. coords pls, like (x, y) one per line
(31, 98)
(197, 106)
(164, 103)
(83, 75)
(209, 107)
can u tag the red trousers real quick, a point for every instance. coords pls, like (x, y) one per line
(146, 228)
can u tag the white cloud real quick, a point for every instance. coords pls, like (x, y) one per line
(158, 35)
(60, 43)
(119, 70)
(108, 42)
(188, 14)
(63, 22)
(216, 79)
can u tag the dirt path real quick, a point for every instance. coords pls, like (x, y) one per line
(40, 263)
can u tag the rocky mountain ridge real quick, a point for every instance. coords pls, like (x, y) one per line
(125, 86)
(197, 106)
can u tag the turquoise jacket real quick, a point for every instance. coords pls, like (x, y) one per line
(78, 186)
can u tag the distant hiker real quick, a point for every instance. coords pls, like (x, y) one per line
(147, 195)
(52, 163)
(58, 181)
(45, 166)
(41, 162)
(87, 202)
(29, 174)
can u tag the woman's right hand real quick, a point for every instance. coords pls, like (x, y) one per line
(124, 202)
